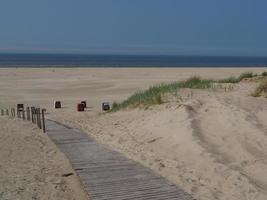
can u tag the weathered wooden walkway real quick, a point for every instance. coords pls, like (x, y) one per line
(107, 174)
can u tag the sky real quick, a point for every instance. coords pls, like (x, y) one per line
(166, 27)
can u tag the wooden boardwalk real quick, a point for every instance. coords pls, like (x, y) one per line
(107, 174)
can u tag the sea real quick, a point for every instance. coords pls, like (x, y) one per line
(82, 60)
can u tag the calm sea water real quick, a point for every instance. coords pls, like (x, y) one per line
(60, 60)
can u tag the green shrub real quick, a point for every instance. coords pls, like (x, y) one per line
(158, 99)
(264, 74)
(115, 105)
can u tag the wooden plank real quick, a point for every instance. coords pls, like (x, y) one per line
(107, 174)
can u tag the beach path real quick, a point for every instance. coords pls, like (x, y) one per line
(107, 174)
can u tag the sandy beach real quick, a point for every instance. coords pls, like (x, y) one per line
(44, 86)
(211, 143)
(32, 167)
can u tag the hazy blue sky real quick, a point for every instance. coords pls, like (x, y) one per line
(213, 27)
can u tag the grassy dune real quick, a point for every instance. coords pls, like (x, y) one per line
(261, 90)
(153, 95)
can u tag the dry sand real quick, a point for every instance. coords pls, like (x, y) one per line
(31, 166)
(43, 86)
(211, 143)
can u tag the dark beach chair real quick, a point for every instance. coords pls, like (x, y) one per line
(105, 106)
(84, 103)
(57, 104)
(20, 107)
(80, 107)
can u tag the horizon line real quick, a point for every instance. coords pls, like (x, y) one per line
(129, 54)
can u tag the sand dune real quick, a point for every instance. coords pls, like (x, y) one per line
(210, 143)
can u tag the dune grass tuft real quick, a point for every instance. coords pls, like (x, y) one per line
(264, 74)
(246, 75)
(261, 90)
(115, 106)
(154, 94)
(229, 80)
(237, 79)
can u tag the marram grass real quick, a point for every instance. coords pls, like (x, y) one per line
(154, 94)
(261, 90)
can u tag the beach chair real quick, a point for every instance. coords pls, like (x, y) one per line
(105, 106)
(80, 107)
(57, 104)
(20, 107)
(84, 103)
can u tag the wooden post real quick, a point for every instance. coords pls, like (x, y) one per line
(7, 112)
(43, 118)
(34, 116)
(28, 114)
(18, 114)
(13, 112)
(39, 118)
(32, 113)
(2, 112)
(23, 114)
